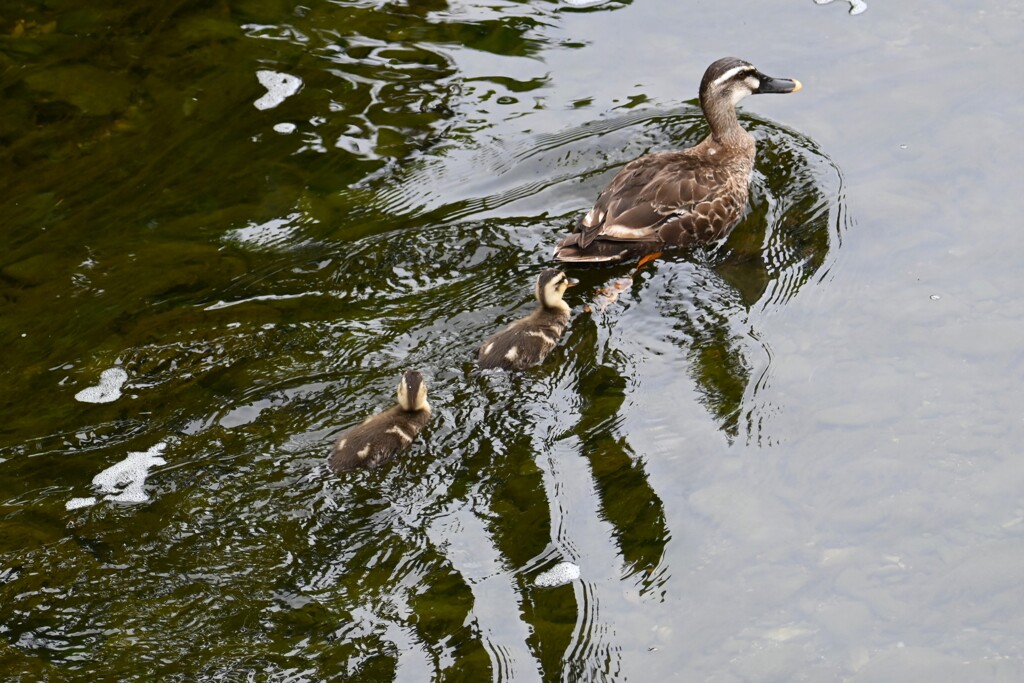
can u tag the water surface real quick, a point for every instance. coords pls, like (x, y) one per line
(790, 457)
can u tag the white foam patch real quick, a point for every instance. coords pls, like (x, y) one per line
(285, 128)
(559, 575)
(76, 503)
(856, 6)
(279, 88)
(263, 297)
(125, 481)
(273, 232)
(109, 388)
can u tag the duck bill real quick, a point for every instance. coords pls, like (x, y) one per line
(571, 282)
(778, 85)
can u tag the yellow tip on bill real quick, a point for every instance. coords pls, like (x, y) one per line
(798, 85)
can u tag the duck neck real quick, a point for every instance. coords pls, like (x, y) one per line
(725, 127)
(558, 306)
(422, 406)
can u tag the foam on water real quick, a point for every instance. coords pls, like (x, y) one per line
(76, 503)
(124, 482)
(561, 574)
(270, 233)
(856, 6)
(279, 88)
(108, 390)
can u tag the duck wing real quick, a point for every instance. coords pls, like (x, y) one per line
(378, 439)
(524, 343)
(667, 197)
(646, 194)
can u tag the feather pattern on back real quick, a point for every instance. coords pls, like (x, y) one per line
(378, 439)
(381, 437)
(528, 341)
(525, 342)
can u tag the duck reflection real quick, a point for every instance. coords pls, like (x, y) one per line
(561, 441)
(786, 239)
(627, 500)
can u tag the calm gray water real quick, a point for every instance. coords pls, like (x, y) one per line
(793, 458)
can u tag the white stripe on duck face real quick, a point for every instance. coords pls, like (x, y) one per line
(732, 73)
(739, 93)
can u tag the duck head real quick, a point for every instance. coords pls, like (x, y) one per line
(551, 285)
(412, 392)
(730, 79)
(726, 82)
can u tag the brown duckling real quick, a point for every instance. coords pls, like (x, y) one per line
(382, 436)
(527, 341)
(689, 196)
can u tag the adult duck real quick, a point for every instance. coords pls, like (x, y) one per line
(690, 196)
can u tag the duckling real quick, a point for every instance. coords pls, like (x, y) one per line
(689, 196)
(380, 437)
(527, 341)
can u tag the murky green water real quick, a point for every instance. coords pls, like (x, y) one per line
(795, 457)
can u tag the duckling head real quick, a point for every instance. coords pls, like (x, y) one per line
(551, 285)
(412, 392)
(730, 80)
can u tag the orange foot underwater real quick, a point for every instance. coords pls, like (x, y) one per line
(606, 296)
